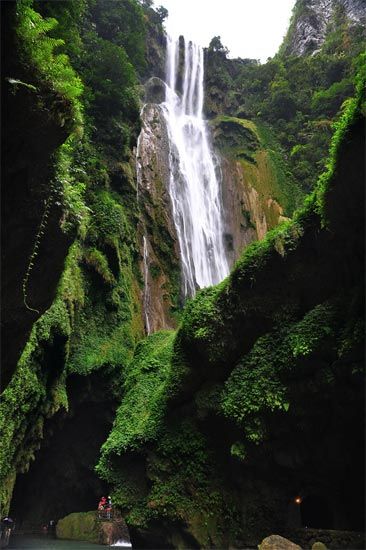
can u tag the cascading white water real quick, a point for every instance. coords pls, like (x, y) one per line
(194, 187)
(122, 542)
(147, 297)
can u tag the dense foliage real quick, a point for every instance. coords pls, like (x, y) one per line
(87, 64)
(299, 97)
(255, 351)
(204, 408)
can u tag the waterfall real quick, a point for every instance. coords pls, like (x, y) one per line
(146, 286)
(194, 186)
(145, 251)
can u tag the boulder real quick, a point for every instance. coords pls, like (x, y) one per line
(318, 546)
(275, 542)
(86, 526)
(155, 90)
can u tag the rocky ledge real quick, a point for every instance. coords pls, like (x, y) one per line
(86, 526)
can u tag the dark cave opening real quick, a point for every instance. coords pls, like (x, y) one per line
(62, 479)
(316, 512)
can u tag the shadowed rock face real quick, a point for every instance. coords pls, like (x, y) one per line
(155, 90)
(54, 487)
(311, 25)
(32, 130)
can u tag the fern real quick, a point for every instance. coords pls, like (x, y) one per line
(39, 50)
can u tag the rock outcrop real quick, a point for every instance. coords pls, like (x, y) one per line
(255, 194)
(85, 526)
(311, 22)
(160, 264)
(275, 542)
(250, 183)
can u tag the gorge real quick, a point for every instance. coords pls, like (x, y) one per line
(183, 293)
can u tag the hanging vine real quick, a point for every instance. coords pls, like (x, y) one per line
(40, 232)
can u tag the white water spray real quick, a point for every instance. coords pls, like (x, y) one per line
(122, 542)
(194, 187)
(147, 298)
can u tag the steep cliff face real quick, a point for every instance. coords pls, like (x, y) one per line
(255, 186)
(160, 252)
(256, 195)
(257, 398)
(84, 276)
(312, 21)
(297, 96)
(36, 120)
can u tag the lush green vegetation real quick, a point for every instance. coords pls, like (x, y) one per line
(199, 405)
(79, 526)
(49, 66)
(66, 49)
(299, 97)
(251, 355)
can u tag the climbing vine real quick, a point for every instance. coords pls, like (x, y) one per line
(41, 229)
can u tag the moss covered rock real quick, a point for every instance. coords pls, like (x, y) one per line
(275, 542)
(318, 546)
(79, 526)
(86, 526)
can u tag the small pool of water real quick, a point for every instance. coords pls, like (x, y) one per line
(47, 543)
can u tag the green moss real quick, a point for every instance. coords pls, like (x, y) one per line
(354, 110)
(238, 450)
(93, 322)
(149, 383)
(207, 320)
(39, 49)
(6, 491)
(283, 187)
(79, 526)
(235, 137)
(105, 330)
(280, 241)
(109, 220)
(184, 487)
(32, 393)
(256, 386)
(96, 259)
(95, 319)
(71, 286)
(254, 145)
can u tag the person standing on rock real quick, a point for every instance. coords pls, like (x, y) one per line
(109, 507)
(102, 506)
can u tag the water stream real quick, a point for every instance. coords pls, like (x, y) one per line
(39, 542)
(194, 185)
(147, 298)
